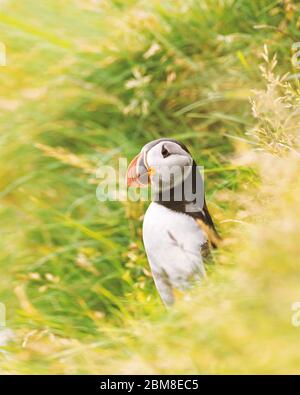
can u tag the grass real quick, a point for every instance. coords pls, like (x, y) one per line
(88, 83)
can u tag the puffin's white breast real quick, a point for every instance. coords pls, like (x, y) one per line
(173, 244)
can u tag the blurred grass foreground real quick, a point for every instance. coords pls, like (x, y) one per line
(87, 82)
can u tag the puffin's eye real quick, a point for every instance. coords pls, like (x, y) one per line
(165, 153)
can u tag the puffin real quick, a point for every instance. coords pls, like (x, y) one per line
(178, 230)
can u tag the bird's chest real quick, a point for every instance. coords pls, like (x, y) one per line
(172, 240)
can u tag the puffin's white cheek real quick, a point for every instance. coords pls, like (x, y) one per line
(166, 177)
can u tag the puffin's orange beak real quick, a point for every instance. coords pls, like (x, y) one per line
(137, 175)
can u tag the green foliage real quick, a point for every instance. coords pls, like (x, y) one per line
(87, 83)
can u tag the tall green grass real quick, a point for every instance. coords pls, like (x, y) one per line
(88, 83)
